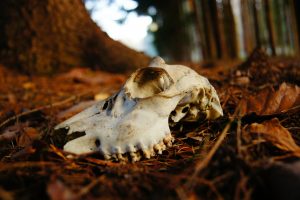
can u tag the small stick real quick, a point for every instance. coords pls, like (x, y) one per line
(16, 117)
(203, 163)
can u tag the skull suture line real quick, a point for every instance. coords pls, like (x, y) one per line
(135, 120)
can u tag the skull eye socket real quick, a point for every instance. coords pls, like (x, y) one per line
(147, 82)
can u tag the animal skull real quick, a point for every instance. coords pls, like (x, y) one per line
(135, 120)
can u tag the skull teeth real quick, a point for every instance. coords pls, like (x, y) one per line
(168, 141)
(121, 157)
(147, 154)
(107, 157)
(135, 156)
(137, 153)
(160, 147)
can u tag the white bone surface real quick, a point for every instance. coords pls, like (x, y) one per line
(136, 119)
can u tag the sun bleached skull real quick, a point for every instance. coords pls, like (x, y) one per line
(135, 120)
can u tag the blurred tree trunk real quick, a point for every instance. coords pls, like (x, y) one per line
(294, 26)
(53, 35)
(230, 30)
(218, 28)
(296, 12)
(209, 36)
(256, 25)
(270, 26)
(199, 28)
(248, 34)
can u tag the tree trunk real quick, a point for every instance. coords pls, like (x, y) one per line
(249, 33)
(297, 21)
(294, 28)
(230, 29)
(209, 37)
(270, 25)
(218, 29)
(53, 35)
(256, 25)
(200, 29)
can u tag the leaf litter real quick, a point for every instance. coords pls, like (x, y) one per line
(224, 159)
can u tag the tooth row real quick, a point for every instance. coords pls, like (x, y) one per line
(136, 155)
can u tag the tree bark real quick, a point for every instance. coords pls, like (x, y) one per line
(218, 30)
(256, 24)
(53, 35)
(295, 29)
(230, 30)
(209, 37)
(270, 25)
(249, 35)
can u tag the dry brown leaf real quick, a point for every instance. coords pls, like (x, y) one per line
(268, 101)
(13, 131)
(9, 133)
(273, 132)
(27, 136)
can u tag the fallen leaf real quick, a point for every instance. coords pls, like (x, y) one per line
(268, 101)
(273, 132)
(12, 132)
(27, 136)
(9, 133)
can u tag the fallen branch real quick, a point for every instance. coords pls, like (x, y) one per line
(204, 163)
(57, 104)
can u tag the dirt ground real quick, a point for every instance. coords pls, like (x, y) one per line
(252, 152)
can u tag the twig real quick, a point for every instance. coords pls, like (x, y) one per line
(85, 190)
(239, 137)
(16, 117)
(203, 163)
(11, 166)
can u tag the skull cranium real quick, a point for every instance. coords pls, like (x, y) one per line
(136, 119)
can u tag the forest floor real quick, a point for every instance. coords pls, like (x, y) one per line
(252, 152)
